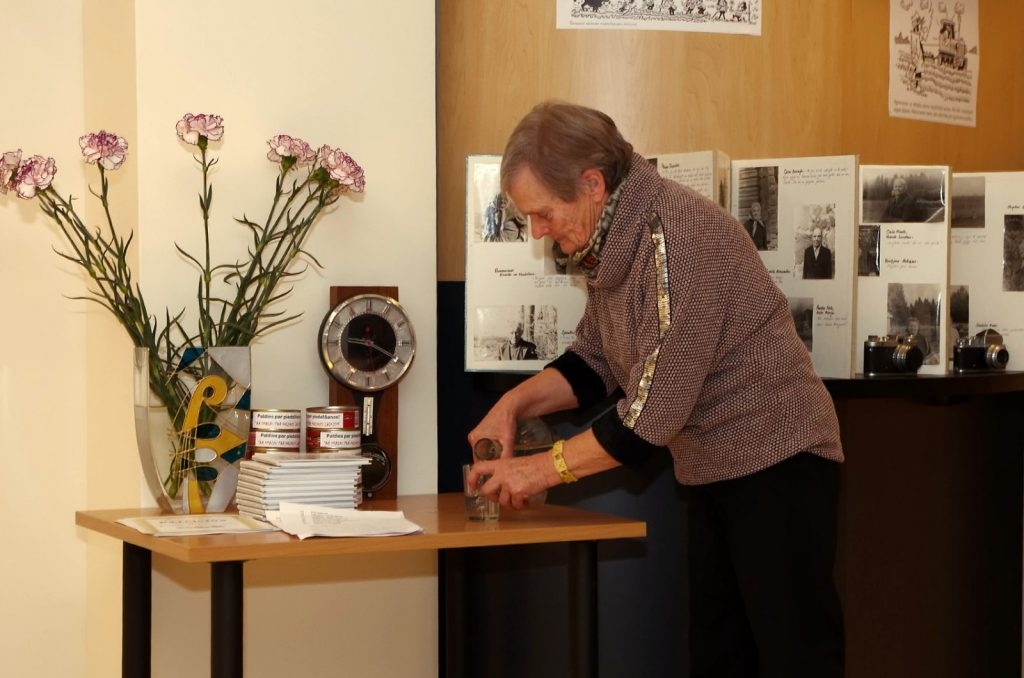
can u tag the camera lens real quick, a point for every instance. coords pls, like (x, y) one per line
(907, 358)
(997, 356)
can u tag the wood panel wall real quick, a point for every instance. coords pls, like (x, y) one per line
(814, 83)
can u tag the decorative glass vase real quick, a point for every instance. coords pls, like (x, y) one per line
(192, 425)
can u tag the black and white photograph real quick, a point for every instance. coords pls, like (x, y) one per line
(1013, 253)
(914, 311)
(869, 250)
(903, 195)
(758, 208)
(815, 242)
(967, 203)
(510, 333)
(802, 309)
(502, 222)
(959, 311)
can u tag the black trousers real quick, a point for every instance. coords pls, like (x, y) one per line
(763, 602)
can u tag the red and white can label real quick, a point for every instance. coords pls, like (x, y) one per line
(333, 417)
(277, 440)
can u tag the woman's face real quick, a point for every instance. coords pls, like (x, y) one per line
(570, 224)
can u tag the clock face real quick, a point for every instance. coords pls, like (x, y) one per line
(367, 342)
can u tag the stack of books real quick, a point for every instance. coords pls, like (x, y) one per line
(327, 479)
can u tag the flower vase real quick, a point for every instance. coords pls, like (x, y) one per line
(192, 425)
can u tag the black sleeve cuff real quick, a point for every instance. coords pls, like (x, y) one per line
(586, 384)
(621, 443)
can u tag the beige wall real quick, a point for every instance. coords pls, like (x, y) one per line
(42, 350)
(814, 83)
(319, 70)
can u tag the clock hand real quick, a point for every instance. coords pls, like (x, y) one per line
(371, 344)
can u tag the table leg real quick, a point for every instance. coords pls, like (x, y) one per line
(226, 620)
(583, 608)
(456, 614)
(136, 611)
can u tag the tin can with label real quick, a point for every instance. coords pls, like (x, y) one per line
(275, 431)
(333, 428)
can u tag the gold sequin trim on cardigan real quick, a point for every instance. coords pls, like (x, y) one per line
(664, 322)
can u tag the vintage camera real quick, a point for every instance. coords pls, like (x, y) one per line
(891, 354)
(983, 351)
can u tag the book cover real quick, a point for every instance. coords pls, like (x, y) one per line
(801, 214)
(986, 280)
(903, 260)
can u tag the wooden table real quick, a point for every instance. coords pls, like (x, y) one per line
(444, 523)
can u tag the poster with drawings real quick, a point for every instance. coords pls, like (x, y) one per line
(801, 215)
(523, 296)
(987, 264)
(934, 60)
(704, 16)
(903, 268)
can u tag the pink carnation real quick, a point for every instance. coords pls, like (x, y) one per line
(191, 127)
(9, 163)
(104, 148)
(342, 168)
(34, 175)
(283, 146)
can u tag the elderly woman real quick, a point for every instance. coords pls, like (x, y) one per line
(682, 316)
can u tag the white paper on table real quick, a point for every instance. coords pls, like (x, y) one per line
(206, 523)
(310, 520)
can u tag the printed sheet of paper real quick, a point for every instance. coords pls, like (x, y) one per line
(707, 172)
(903, 265)
(206, 523)
(987, 259)
(704, 16)
(934, 60)
(801, 214)
(309, 520)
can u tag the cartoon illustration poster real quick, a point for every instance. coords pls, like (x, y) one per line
(706, 16)
(934, 60)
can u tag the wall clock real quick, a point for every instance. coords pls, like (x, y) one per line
(367, 344)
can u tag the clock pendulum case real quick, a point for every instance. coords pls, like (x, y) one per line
(366, 343)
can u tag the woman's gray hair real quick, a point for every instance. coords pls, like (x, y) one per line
(558, 141)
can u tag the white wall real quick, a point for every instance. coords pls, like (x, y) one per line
(330, 71)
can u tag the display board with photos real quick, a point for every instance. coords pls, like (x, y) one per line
(523, 296)
(801, 215)
(986, 290)
(903, 259)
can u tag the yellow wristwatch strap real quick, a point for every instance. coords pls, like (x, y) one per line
(559, 460)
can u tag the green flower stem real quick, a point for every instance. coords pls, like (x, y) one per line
(207, 330)
(275, 245)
